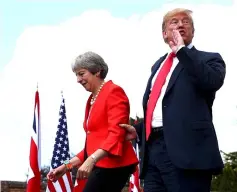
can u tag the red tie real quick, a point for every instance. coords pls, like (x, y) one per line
(156, 90)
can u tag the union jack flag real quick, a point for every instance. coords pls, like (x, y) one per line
(33, 180)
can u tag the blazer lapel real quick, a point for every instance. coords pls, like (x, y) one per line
(175, 74)
(173, 77)
(88, 106)
(96, 105)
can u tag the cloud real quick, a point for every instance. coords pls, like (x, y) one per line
(130, 46)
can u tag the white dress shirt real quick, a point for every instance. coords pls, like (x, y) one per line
(157, 119)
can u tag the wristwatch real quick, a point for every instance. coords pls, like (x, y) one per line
(68, 165)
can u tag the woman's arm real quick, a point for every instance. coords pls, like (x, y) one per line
(75, 162)
(118, 113)
(55, 174)
(98, 155)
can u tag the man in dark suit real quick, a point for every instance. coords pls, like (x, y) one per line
(179, 147)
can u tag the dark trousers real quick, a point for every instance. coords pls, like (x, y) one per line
(163, 176)
(108, 179)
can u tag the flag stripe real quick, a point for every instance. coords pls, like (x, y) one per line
(50, 187)
(62, 184)
(57, 187)
(69, 178)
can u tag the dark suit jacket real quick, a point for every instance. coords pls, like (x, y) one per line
(187, 111)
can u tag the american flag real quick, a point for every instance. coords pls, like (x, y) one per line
(60, 154)
(33, 180)
(134, 183)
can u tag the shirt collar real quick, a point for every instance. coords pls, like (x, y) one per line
(189, 46)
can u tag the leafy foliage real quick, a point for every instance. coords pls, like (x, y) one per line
(44, 171)
(227, 181)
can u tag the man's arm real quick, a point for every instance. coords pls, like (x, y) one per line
(133, 132)
(139, 128)
(207, 74)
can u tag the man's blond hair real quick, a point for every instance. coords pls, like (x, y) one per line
(173, 12)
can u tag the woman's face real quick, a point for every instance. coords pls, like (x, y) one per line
(86, 79)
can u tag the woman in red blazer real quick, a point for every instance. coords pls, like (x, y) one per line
(107, 159)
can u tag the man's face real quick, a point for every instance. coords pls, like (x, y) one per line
(183, 24)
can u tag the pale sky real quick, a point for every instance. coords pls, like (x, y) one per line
(127, 34)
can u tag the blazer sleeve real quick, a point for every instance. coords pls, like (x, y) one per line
(206, 72)
(80, 155)
(118, 113)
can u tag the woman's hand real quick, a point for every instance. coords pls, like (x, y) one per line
(85, 169)
(55, 174)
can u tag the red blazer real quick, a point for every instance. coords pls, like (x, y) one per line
(110, 109)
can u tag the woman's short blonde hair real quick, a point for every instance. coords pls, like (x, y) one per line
(173, 12)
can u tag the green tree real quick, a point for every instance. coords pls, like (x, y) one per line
(227, 181)
(44, 171)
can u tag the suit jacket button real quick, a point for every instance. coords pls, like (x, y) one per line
(88, 132)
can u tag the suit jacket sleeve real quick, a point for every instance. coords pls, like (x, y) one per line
(139, 128)
(207, 72)
(118, 113)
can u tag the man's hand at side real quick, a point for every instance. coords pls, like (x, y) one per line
(130, 132)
